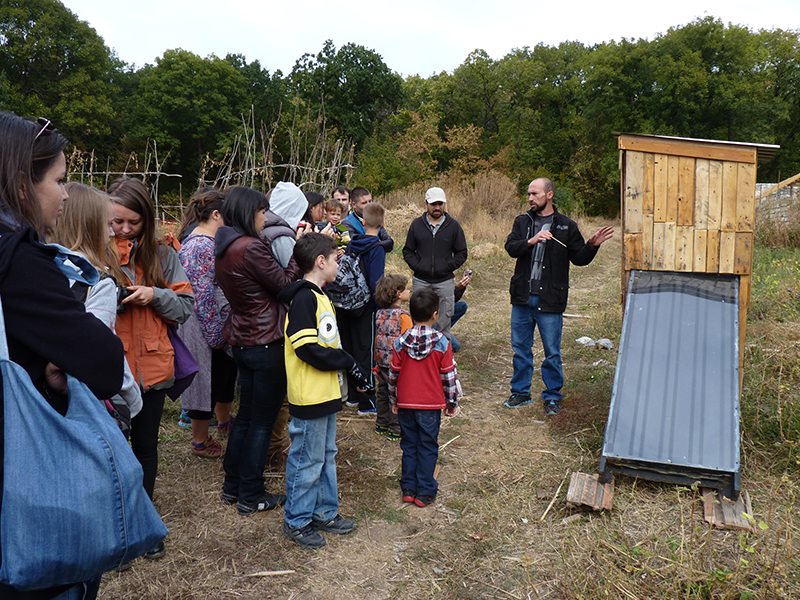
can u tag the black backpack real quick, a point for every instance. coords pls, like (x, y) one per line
(350, 291)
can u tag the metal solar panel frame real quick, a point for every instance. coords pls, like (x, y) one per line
(674, 413)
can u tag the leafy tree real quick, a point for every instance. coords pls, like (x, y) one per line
(54, 65)
(266, 93)
(190, 106)
(352, 87)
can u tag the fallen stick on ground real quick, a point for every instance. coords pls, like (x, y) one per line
(269, 573)
(443, 446)
(553, 501)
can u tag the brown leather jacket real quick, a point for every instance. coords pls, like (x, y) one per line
(251, 279)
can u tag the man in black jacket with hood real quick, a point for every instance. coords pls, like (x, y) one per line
(544, 242)
(435, 248)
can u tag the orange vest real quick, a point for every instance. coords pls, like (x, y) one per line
(144, 333)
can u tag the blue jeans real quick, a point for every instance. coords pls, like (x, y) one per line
(524, 319)
(311, 488)
(420, 446)
(262, 376)
(459, 310)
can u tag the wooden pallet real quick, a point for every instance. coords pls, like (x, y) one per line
(587, 490)
(723, 513)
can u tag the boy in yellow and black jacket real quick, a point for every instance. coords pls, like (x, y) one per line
(315, 371)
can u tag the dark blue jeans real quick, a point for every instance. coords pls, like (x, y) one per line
(420, 445)
(459, 310)
(262, 376)
(524, 319)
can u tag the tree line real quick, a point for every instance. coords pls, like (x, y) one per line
(538, 111)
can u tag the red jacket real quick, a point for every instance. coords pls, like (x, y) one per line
(423, 375)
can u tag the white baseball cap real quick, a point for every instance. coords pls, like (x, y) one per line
(435, 194)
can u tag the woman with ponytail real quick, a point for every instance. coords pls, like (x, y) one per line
(213, 387)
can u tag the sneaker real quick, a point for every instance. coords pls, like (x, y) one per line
(157, 552)
(552, 407)
(350, 404)
(267, 502)
(229, 499)
(337, 524)
(516, 400)
(369, 412)
(392, 436)
(225, 427)
(184, 420)
(409, 495)
(305, 537)
(208, 449)
(423, 501)
(381, 430)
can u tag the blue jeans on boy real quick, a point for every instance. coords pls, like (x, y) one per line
(262, 376)
(311, 488)
(420, 446)
(524, 319)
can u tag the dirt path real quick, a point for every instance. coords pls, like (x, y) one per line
(499, 471)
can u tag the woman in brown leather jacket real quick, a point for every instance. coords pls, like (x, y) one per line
(251, 279)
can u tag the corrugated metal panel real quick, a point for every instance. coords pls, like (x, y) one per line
(674, 412)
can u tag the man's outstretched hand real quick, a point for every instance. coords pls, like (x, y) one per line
(603, 235)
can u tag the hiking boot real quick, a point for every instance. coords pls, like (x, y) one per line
(337, 524)
(423, 501)
(305, 537)
(552, 407)
(516, 400)
(266, 502)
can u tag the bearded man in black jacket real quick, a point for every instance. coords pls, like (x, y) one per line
(544, 242)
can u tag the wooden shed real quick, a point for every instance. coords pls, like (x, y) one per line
(688, 217)
(688, 205)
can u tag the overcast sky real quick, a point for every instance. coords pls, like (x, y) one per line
(413, 37)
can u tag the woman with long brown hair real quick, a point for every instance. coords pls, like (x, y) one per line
(48, 330)
(160, 294)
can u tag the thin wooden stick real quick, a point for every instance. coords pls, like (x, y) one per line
(553, 501)
(269, 573)
(443, 446)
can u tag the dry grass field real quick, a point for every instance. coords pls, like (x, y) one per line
(487, 535)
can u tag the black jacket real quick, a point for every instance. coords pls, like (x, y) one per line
(554, 287)
(433, 259)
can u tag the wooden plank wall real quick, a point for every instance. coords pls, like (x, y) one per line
(688, 214)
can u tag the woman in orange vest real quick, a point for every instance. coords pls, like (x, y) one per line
(157, 292)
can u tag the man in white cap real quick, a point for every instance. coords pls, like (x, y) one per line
(435, 248)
